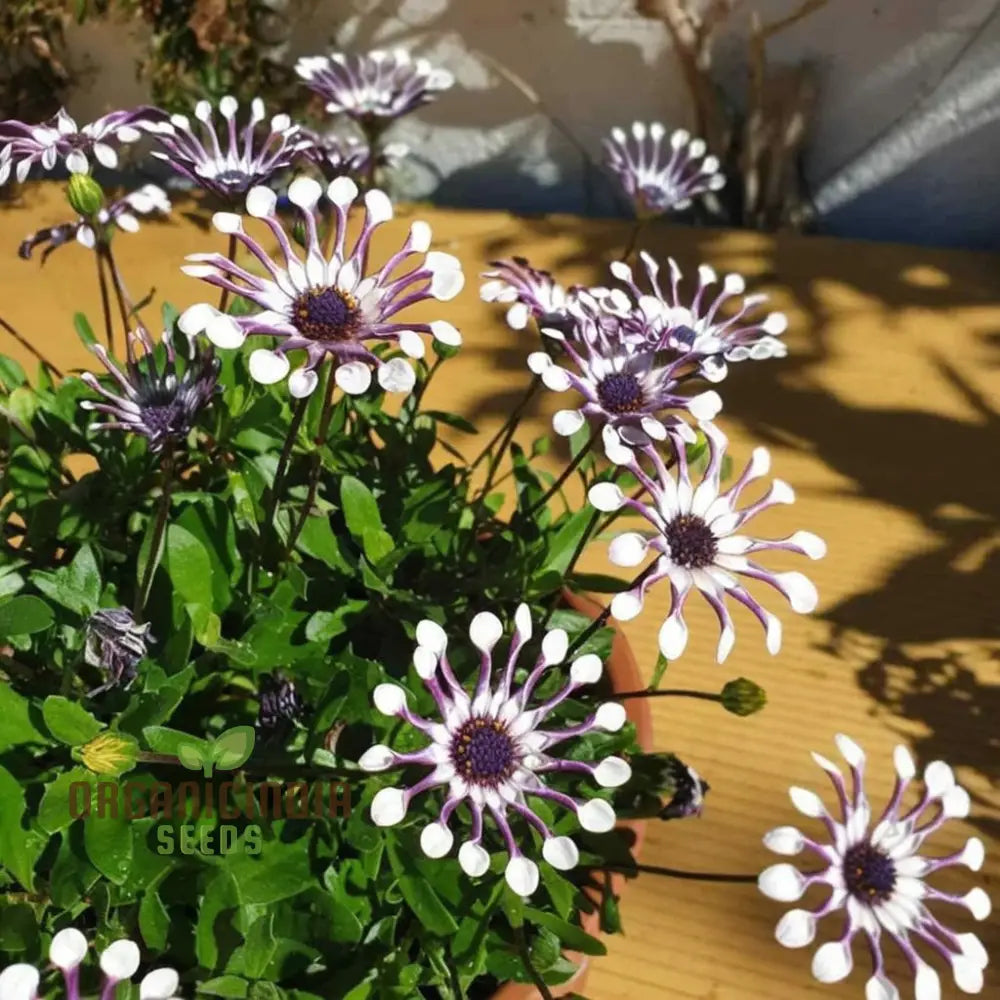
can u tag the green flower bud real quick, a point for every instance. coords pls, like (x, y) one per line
(743, 697)
(84, 195)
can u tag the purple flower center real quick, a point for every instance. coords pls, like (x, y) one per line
(657, 198)
(326, 314)
(164, 413)
(620, 392)
(483, 752)
(691, 541)
(869, 873)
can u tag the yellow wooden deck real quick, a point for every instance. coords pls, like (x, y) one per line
(886, 420)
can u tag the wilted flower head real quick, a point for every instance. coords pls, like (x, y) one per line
(339, 155)
(689, 794)
(625, 384)
(702, 328)
(492, 751)
(375, 87)
(661, 176)
(242, 159)
(876, 875)
(115, 643)
(161, 404)
(280, 705)
(529, 292)
(121, 214)
(61, 139)
(697, 545)
(327, 306)
(119, 962)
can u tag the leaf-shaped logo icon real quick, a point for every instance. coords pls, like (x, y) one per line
(194, 756)
(233, 747)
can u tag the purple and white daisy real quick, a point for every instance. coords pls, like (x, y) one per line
(119, 962)
(121, 214)
(697, 544)
(61, 140)
(492, 751)
(162, 405)
(338, 155)
(327, 306)
(243, 158)
(876, 875)
(704, 329)
(661, 176)
(373, 88)
(529, 292)
(625, 384)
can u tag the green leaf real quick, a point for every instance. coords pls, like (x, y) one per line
(598, 583)
(24, 615)
(83, 329)
(189, 566)
(160, 739)
(571, 935)
(225, 986)
(565, 542)
(19, 928)
(659, 670)
(154, 921)
(69, 722)
(360, 508)
(420, 895)
(19, 848)
(54, 809)
(220, 901)
(17, 727)
(233, 747)
(273, 875)
(260, 946)
(108, 841)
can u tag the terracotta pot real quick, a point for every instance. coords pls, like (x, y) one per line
(624, 673)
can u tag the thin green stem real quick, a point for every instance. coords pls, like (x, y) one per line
(534, 974)
(317, 465)
(159, 529)
(422, 387)
(514, 417)
(30, 348)
(231, 254)
(602, 619)
(577, 460)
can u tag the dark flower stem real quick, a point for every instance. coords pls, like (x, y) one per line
(125, 307)
(231, 254)
(669, 693)
(512, 421)
(159, 530)
(633, 239)
(577, 460)
(109, 332)
(602, 619)
(677, 873)
(525, 953)
(28, 346)
(286, 453)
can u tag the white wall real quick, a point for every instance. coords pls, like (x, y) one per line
(595, 63)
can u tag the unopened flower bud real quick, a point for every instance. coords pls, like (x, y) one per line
(85, 195)
(108, 753)
(743, 697)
